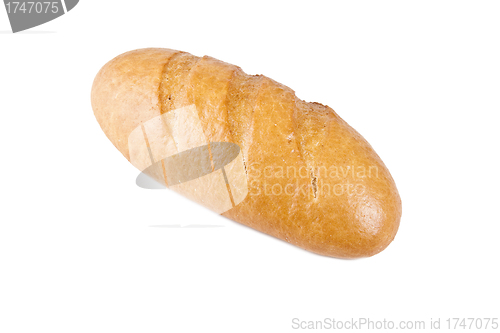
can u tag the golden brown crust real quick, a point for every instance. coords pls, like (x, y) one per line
(313, 180)
(208, 88)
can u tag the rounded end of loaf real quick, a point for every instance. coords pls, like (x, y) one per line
(365, 206)
(365, 229)
(340, 198)
(359, 224)
(375, 222)
(372, 218)
(125, 93)
(362, 226)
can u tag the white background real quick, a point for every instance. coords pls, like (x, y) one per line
(420, 80)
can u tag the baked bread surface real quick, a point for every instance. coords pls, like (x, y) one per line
(313, 181)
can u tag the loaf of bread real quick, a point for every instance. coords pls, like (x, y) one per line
(249, 149)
